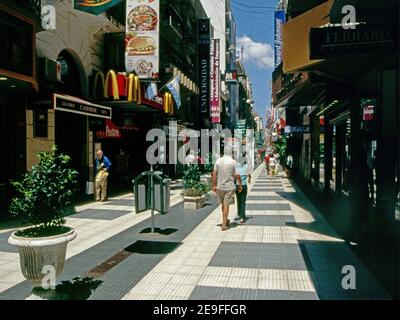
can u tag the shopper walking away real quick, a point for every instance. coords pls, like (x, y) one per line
(103, 166)
(241, 196)
(267, 161)
(224, 176)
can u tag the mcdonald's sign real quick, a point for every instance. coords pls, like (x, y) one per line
(117, 86)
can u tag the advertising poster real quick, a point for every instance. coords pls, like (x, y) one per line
(279, 21)
(215, 81)
(95, 7)
(142, 38)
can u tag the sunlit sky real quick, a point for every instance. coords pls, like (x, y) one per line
(255, 31)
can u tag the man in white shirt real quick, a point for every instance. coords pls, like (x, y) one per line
(224, 176)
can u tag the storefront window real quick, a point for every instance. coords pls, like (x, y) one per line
(346, 157)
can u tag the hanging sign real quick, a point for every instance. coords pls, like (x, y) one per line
(95, 7)
(142, 38)
(215, 81)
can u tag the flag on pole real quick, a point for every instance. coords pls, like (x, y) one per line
(151, 91)
(174, 88)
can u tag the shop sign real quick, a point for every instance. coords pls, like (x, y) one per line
(368, 113)
(79, 106)
(142, 38)
(231, 77)
(95, 7)
(203, 33)
(297, 129)
(115, 85)
(279, 21)
(111, 132)
(332, 41)
(215, 81)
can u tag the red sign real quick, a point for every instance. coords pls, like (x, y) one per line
(368, 113)
(215, 83)
(111, 132)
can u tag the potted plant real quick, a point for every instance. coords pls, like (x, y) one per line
(43, 195)
(194, 191)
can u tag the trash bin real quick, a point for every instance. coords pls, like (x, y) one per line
(152, 191)
(162, 191)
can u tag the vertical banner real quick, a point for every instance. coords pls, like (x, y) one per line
(95, 7)
(203, 36)
(215, 81)
(279, 21)
(142, 38)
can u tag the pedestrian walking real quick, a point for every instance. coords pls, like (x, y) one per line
(267, 159)
(224, 176)
(241, 196)
(103, 166)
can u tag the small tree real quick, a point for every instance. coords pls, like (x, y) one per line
(44, 193)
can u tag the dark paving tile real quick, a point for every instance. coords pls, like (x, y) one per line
(209, 293)
(120, 202)
(268, 206)
(262, 255)
(268, 189)
(100, 214)
(4, 246)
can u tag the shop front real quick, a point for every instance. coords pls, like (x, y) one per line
(17, 81)
(123, 138)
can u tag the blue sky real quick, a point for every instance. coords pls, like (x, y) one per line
(255, 31)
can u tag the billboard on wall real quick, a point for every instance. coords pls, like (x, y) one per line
(95, 6)
(279, 20)
(203, 35)
(215, 81)
(142, 38)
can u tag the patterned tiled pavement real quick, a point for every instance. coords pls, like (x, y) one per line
(285, 250)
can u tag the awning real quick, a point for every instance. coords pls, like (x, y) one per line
(295, 32)
(146, 105)
(72, 104)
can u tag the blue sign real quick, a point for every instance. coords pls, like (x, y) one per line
(279, 19)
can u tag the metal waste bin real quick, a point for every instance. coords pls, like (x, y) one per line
(152, 191)
(162, 191)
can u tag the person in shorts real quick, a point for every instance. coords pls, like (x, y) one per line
(224, 176)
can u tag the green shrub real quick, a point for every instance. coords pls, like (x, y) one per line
(44, 193)
(192, 185)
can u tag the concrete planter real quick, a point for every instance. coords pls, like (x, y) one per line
(193, 203)
(206, 178)
(35, 253)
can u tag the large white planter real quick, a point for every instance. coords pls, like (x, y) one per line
(35, 253)
(193, 203)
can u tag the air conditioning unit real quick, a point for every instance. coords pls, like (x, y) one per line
(49, 69)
